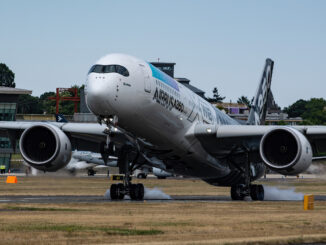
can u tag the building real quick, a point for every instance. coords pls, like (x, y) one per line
(168, 68)
(233, 108)
(8, 107)
(186, 82)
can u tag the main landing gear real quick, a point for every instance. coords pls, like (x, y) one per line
(135, 191)
(239, 192)
(245, 189)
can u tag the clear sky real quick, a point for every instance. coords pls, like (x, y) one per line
(51, 44)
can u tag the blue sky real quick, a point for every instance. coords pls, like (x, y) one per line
(221, 44)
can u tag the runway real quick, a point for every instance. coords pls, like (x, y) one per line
(101, 199)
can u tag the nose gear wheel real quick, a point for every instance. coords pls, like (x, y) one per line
(118, 191)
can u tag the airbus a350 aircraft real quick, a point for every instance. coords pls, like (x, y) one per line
(149, 118)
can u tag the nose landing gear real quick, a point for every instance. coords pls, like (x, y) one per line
(135, 191)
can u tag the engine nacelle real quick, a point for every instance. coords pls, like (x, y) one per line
(45, 147)
(161, 173)
(286, 151)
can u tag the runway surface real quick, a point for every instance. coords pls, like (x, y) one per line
(101, 199)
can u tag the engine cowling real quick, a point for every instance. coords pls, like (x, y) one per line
(286, 151)
(45, 147)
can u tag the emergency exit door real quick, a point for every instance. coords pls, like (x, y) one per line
(147, 81)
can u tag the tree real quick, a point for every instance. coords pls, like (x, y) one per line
(216, 97)
(7, 77)
(65, 107)
(48, 106)
(244, 100)
(28, 104)
(296, 109)
(315, 111)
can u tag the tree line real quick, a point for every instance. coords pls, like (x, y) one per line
(28, 104)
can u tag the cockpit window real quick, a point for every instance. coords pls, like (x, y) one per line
(109, 69)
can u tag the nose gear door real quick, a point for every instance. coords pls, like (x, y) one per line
(147, 81)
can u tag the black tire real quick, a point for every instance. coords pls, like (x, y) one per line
(120, 193)
(141, 192)
(236, 193)
(161, 177)
(90, 172)
(137, 192)
(114, 192)
(257, 192)
(133, 192)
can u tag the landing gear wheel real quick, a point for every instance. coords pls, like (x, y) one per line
(237, 192)
(121, 191)
(257, 192)
(117, 192)
(141, 191)
(137, 192)
(90, 172)
(114, 192)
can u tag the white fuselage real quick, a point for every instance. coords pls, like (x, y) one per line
(151, 105)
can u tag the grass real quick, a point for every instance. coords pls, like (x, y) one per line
(156, 222)
(71, 228)
(22, 208)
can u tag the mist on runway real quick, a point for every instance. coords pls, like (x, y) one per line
(273, 193)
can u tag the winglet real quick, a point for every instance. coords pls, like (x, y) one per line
(60, 118)
(258, 109)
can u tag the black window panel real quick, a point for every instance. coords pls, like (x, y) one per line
(122, 70)
(98, 69)
(110, 69)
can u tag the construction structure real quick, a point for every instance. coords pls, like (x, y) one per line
(75, 98)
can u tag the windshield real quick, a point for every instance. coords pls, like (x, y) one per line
(109, 69)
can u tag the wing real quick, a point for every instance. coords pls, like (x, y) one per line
(83, 136)
(220, 140)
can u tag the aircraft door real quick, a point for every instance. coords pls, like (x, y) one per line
(147, 81)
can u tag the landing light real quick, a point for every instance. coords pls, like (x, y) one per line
(209, 130)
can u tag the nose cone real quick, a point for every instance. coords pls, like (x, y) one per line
(99, 92)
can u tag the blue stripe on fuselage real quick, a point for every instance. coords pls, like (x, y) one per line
(158, 74)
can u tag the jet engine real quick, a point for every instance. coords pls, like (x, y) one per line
(45, 147)
(286, 151)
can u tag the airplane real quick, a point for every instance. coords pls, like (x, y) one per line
(89, 160)
(145, 117)
(93, 160)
